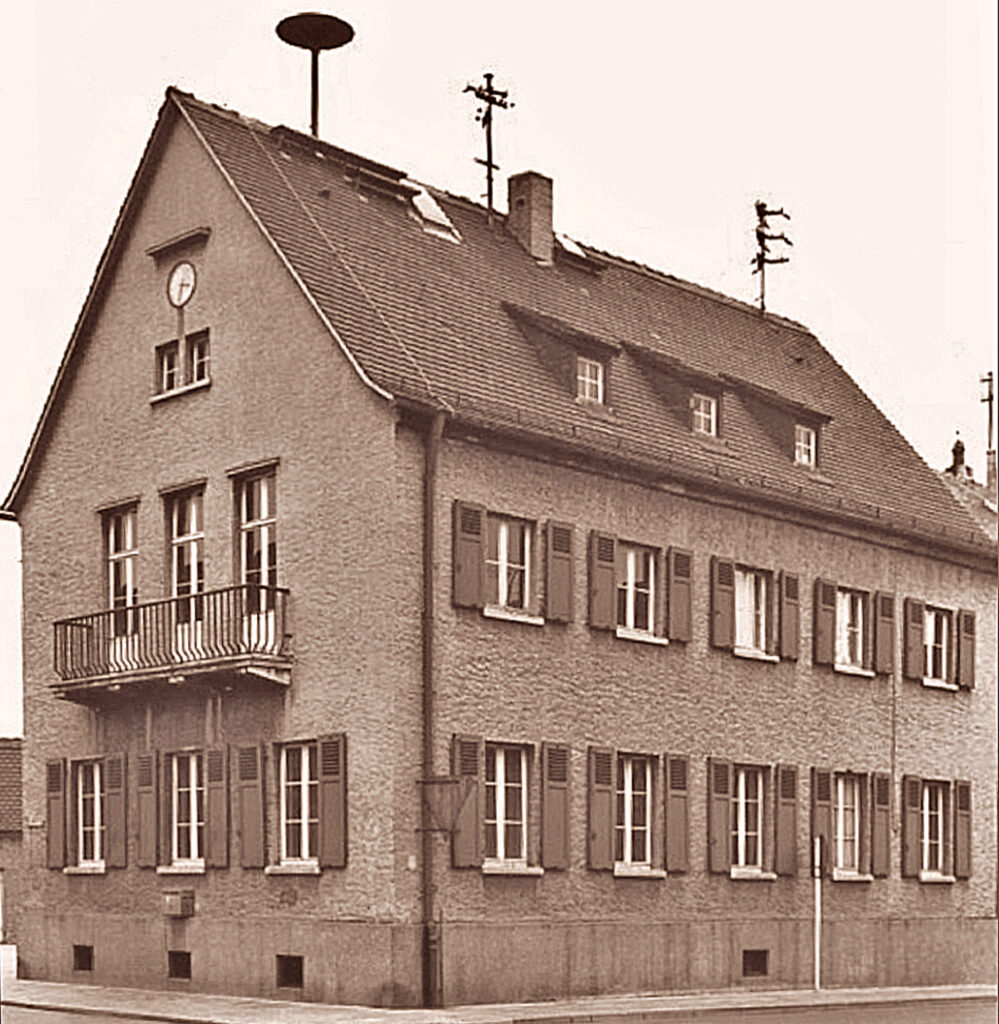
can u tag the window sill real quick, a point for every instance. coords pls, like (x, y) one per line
(934, 877)
(496, 611)
(637, 871)
(600, 410)
(184, 389)
(84, 869)
(181, 869)
(640, 636)
(751, 875)
(853, 670)
(842, 875)
(940, 684)
(302, 867)
(754, 655)
(511, 867)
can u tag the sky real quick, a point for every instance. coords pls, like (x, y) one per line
(872, 122)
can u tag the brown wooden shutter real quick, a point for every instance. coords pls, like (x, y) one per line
(558, 586)
(55, 813)
(602, 585)
(216, 807)
(677, 813)
(786, 811)
(822, 823)
(912, 792)
(962, 829)
(790, 616)
(864, 819)
(555, 805)
(166, 809)
(602, 794)
(719, 815)
(867, 653)
(116, 836)
(680, 569)
(146, 820)
(880, 825)
(466, 837)
(468, 554)
(249, 811)
(772, 639)
(914, 654)
(722, 603)
(966, 649)
(824, 635)
(332, 752)
(884, 633)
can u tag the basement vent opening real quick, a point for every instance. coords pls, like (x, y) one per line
(290, 971)
(83, 958)
(178, 964)
(754, 963)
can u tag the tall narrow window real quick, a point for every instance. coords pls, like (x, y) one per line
(197, 357)
(589, 379)
(90, 815)
(506, 803)
(632, 843)
(299, 802)
(704, 415)
(934, 817)
(804, 445)
(187, 833)
(851, 613)
(937, 644)
(752, 609)
(258, 539)
(747, 817)
(508, 563)
(122, 554)
(846, 823)
(187, 563)
(168, 371)
(636, 585)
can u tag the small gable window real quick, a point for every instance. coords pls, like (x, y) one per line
(704, 415)
(183, 367)
(804, 445)
(590, 380)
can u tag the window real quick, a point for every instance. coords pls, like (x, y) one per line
(590, 380)
(636, 588)
(752, 610)
(90, 814)
(290, 971)
(933, 814)
(937, 644)
(299, 803)
(187, 565)
(508, 563)
(122, 558)
(846, 823)
(168, 375)
(257, 502)
(197, 357)
(176, 369)
(704, 415)
(506, 803)
(747, 818)
(187, 809)
(851, 627)
(804, 445)
(632, 839)
(83, 958)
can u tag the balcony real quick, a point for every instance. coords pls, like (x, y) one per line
(242, 630)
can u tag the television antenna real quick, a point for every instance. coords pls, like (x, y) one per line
(490, 97)
(764, 235)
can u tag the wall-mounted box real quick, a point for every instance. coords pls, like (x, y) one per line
(179, 904)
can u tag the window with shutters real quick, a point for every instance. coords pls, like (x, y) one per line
(636, 590)
(804, 445)
(633, 815)
(938, 646)
(704, 415)
(934, 841)
(848, 814)
(851, 629)
(187, 809)
(590, 380)
(505, 817)
(748, 832)
(299, 804)
(508, 563)
(753, 612)
(90, 815)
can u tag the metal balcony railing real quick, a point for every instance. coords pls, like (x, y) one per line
(180, 631)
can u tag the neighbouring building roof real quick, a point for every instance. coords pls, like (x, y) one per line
(979, 500)
(10, 785)
(437, 305)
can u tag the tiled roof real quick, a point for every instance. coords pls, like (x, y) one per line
(10, 785)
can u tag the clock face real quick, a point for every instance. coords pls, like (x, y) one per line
(180, 284)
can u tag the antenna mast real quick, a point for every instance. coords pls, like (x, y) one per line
(490, 97)
(989, 399)
(761, 259)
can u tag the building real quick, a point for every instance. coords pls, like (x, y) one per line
(422, 606)
(11, 829)
(979, 500)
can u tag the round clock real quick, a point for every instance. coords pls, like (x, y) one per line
(180, 284)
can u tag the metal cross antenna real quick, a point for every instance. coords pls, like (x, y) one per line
(761, 259)
(989, 398)
(490, 97)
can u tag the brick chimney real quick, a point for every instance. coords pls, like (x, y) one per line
(957, 468)
(529, 220)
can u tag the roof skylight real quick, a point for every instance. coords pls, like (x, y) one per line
(435, 220)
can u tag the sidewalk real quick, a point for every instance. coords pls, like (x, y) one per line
(196, 1008)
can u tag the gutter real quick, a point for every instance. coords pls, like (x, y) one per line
(7, 516)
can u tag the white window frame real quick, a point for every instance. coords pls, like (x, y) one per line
(848, 786)
(752, 610)
(198, 358)
(497, 752)
(263, 524)
(624, 815)
(804, 445)
(628, 560)
(309, 797)
(503, 564)
(945, 618)
(850, 626)
(748, 787)
(191, 542)
(123, 554)
(194, 823)
(934, 806)
(100, 824)
(704, 414)
(169, 361)
(590, 380)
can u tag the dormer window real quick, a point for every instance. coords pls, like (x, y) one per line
(804, 446)
(590, 383)
(704, 415)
